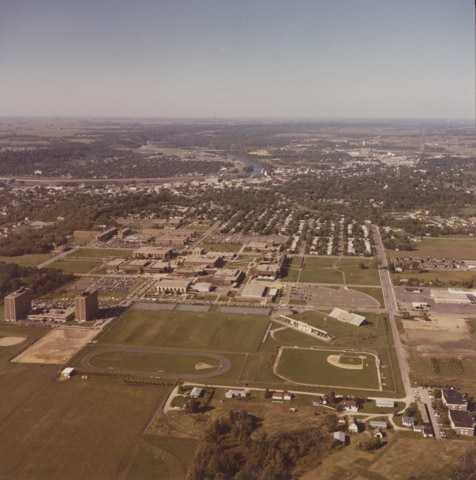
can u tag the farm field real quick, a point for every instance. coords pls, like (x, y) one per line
(75, 266)
(309, 366)
(456, 247)
(386, 463)
(444, 371)
(83, 429)
(188, 330)
(164, 458)
(31, 260)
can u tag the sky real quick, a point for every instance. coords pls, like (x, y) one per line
(312, 59)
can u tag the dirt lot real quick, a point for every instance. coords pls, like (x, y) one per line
(444, 335)
(58, 346)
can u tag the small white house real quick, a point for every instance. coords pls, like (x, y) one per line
(236, 393)
(196, 392)
(67, 373)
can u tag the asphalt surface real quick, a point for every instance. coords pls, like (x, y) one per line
(392, 309)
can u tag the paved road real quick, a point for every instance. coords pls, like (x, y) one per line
(392, 309)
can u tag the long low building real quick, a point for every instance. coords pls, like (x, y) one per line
(156, 253)
(175, 285)
(347, 317)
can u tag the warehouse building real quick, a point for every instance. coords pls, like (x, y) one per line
(347, 317)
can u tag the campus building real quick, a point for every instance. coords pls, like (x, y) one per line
(17, 305)
(87, 306)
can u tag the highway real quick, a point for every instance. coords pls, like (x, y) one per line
(392, 309)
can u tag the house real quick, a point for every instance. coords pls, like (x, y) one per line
(384, 403)
(352, 426)
(408, 422)
(453, 400)
(462, 422)
(350, 406)
(237, 393)
(67, 373)
(340, 437)
(196, 392)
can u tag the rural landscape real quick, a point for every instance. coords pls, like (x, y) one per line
(238, 240)
(199, 326)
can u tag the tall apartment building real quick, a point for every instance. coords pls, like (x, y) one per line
(17, 305)
(87, 306)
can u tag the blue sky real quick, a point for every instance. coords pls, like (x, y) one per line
(237, 58)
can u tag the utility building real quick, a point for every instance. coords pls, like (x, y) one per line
(18, 305)
(87, 306)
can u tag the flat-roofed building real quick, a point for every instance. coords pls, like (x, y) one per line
(17, 305)
(461, 422)
(159, 266)
(228, 276)
(87, 306)
(453, 399)
(106, 235)
(347, 317)
(254, 290)
(135, 266)
(204, 262)
(156, 253)
(173, 285)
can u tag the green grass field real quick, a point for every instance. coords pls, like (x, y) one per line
(75, 266)
(312, 367)
(188, 330)
(375, 292)
(76, 429)
(458, 248)
(333, 271)
(168, 363)
(27, 260)
(100, 253)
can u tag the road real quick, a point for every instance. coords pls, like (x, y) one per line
(391, 306)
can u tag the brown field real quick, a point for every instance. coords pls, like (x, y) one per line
(58, 346)
(351, 463)
(444, 247)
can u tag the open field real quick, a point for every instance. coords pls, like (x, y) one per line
(164, 458)
(333, 270)
(188, 330)
(374, 337)
(58, 346)
(314, 367)
(31, 260)
(453, 278)
(100, 253)
(75, 266)
(351, 463)
(375, 292)
(458, 248)
(82, 429)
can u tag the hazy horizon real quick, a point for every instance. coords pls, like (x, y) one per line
(249, 60)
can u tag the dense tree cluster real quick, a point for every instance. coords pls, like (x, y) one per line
(235, 449)
(13, 276)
